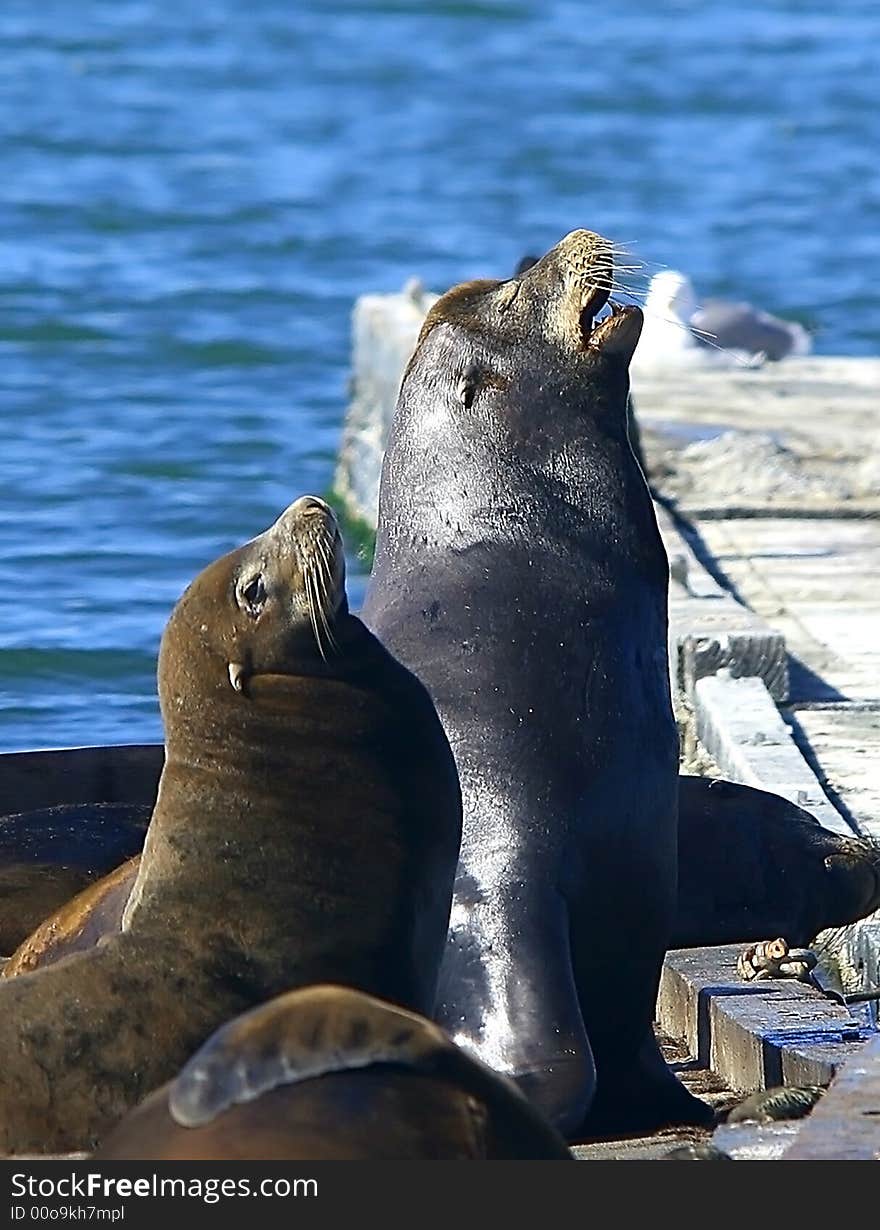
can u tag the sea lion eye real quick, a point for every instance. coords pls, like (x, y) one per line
(469, 385)
(253, 595)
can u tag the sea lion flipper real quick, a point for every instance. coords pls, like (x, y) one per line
(320, 1030)
(298, 1036)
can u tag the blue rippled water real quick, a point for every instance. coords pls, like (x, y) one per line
(192, 196)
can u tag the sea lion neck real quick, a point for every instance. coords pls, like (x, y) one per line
(208, 708)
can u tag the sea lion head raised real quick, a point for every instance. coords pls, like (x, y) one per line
(269, 611)
(517, 394)
(519, 571)
(550, 308)
(308, 785)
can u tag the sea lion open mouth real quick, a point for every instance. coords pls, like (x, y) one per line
(596, 299)
(618, 332)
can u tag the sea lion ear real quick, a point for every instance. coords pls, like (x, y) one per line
(620, 333)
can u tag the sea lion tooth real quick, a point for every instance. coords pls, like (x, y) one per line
(237, 675)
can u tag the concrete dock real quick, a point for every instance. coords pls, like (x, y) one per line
(767, 488)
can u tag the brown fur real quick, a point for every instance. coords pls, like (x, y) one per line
(29, 892)
(79, 924)
(306, 829)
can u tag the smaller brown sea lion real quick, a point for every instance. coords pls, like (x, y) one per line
(306, 830)
(329, 1073)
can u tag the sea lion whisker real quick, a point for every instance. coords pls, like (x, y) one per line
(317, 579)
(322, 569)
(310, 601)
(324, 551)
(323, 616)
(646, 264)
(705, 337)
(328, 631)
(621, 289)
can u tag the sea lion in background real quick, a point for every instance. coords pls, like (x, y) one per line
(520, 573)
(328, 1073)
(50, 853)
(750, 864)
(306, 830)
(753, 864)
(79, 924)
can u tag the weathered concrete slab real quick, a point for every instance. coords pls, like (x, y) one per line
(753, 1035)
(845, 1125)
(712, 634)
(785, 437)
(817, 582)
(708, 629)
(384, 333)
(688, 979)
(744, 733)
(756, 1142)
(846, 744)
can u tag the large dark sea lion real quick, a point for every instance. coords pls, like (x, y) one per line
(330, 1074)
(520, 573)
(306, 830)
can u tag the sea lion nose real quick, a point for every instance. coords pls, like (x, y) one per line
(310, 510)
(311, 505)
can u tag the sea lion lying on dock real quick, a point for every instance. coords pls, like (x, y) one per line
(752, 864)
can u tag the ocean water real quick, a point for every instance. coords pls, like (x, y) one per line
(193, 195)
